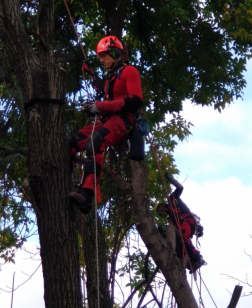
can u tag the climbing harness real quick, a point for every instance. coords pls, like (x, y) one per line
(113, 74)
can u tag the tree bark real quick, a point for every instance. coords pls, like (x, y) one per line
(235, 296)
(89, 241)
(116, 13)
(49, 182)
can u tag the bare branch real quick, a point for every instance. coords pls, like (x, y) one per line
(231, 277)
(155, 298)
(147, 303)
(235, 297)
(120, 289)
(147, 287)
(248, 255)
(23, 282)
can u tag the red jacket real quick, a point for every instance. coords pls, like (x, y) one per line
(125, 92)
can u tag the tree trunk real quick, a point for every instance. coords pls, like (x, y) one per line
(43, 88)
(49, 182)
(116, 13)
(89, 241)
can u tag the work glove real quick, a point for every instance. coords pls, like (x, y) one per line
(85, 109)
(93, 109)
(87, 68)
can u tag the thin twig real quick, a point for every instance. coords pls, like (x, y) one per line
(231, 277)
(23, 282)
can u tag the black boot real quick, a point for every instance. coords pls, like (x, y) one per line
(197, 265)
(82, 199)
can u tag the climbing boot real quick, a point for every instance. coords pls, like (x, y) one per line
(82, 199)
(197, 265)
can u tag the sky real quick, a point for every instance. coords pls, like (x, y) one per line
(216, 172)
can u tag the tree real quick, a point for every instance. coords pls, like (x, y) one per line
(192, 56)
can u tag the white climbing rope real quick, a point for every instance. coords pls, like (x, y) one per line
(96, 228)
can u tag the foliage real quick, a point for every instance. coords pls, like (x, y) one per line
(16, 216)
(136, 265)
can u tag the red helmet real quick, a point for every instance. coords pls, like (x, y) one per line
(107, 43)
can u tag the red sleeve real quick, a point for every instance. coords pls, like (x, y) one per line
(133, 82)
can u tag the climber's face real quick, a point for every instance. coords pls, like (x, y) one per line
(106, 59)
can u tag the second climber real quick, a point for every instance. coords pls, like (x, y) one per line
(184, 220)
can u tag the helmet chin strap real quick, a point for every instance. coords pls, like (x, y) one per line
(116, 60)
(112, 56)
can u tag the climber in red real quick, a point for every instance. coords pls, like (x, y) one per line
(122, 98)
(183, 219)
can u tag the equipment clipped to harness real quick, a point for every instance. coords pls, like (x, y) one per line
(144, 126)
(199, 228)
(136, 143)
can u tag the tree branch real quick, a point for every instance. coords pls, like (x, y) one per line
(121, 183)
(10, 151)
(147, 287)
(235, 297)
(155, 298)
(237, 280)
(141, 283)
(248, 255)
(22, 282)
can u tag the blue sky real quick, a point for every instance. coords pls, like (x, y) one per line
(216, 171)
(220, 144)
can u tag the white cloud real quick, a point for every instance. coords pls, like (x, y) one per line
(220, 146)
(215, 150)
(232, 116)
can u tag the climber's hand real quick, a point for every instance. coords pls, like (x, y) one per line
(93, 109)
(85, 109)
(87, 68)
